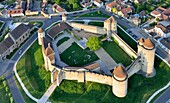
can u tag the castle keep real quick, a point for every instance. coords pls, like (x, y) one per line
(143, 64)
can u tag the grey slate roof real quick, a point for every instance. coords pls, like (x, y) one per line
(6, 44)
(57, 29)
(19, 31)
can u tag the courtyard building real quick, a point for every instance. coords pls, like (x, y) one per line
(15, 38)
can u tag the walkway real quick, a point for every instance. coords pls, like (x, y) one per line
(48, 93)
(106, 62)
(57, 56)
(65, 45)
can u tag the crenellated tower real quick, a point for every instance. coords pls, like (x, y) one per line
(41, 34)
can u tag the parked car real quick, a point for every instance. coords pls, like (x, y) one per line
(20, 52)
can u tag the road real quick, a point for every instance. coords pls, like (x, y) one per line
(47, 22)
(164, 97)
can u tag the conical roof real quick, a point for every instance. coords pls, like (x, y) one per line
(119, 72)
(148, 43)
(40, 30)
(64, 15)
(48, 50)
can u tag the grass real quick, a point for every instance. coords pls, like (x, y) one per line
(26, 98)
(76, 56)
(127, 39)
(100, 24)
(117, 53)
(95, 14)
(36, 22)
(32, 72)
(62, 40)
(124, 27)
(4, 97)
(139, 89)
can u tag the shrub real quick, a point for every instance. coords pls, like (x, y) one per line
(94, 43)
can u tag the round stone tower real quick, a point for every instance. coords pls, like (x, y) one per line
(146, 49)
(120, 81)
(64, 17)
(41, 34)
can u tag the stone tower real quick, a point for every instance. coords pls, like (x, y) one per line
(146, 49)
(120, 81)
(64, 17)
(41, 34)
(110, 25)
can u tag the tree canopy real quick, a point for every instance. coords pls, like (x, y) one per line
(93, 43)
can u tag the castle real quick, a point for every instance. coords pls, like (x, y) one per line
(143, 64)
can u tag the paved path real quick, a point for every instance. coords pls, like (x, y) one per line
(65, 45)
(12, 85)
(164, 97)
(48, 93)
(106, 61)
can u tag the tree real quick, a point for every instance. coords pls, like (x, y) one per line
(93, 43)
(57, 1)
(157, 19)
(114, 10)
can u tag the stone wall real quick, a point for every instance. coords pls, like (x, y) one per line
(89, 28)
(87, 76)
(125, 46)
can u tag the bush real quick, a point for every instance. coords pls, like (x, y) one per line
(7, 89)
(11, 100)
(4, 83)
(94, 43)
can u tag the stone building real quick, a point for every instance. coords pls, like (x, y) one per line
(143, 64)
(146, 49)
(15, 38)
(120, 81)
(111, 26)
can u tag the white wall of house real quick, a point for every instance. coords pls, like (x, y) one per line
(108, 9)
(98, 4)
(20, 14)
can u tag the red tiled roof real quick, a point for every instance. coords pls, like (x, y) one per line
(119, 72)
(155, 12)
(58, 8)
(112, 4)
(16, 11)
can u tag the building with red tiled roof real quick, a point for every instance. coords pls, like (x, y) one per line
(124, 12)
(161, 13)
(58, 8)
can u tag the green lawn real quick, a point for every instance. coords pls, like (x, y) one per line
(76, 56)
(100, 24)
(127, 39)
(117, 53)
(139, 89)
(62, 40)
(4, 97)
(32, 72)
(37, 22)
(95, 14)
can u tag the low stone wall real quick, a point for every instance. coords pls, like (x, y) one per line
(44, 14)
(89, 28)
(87, 76)
(124, 46)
